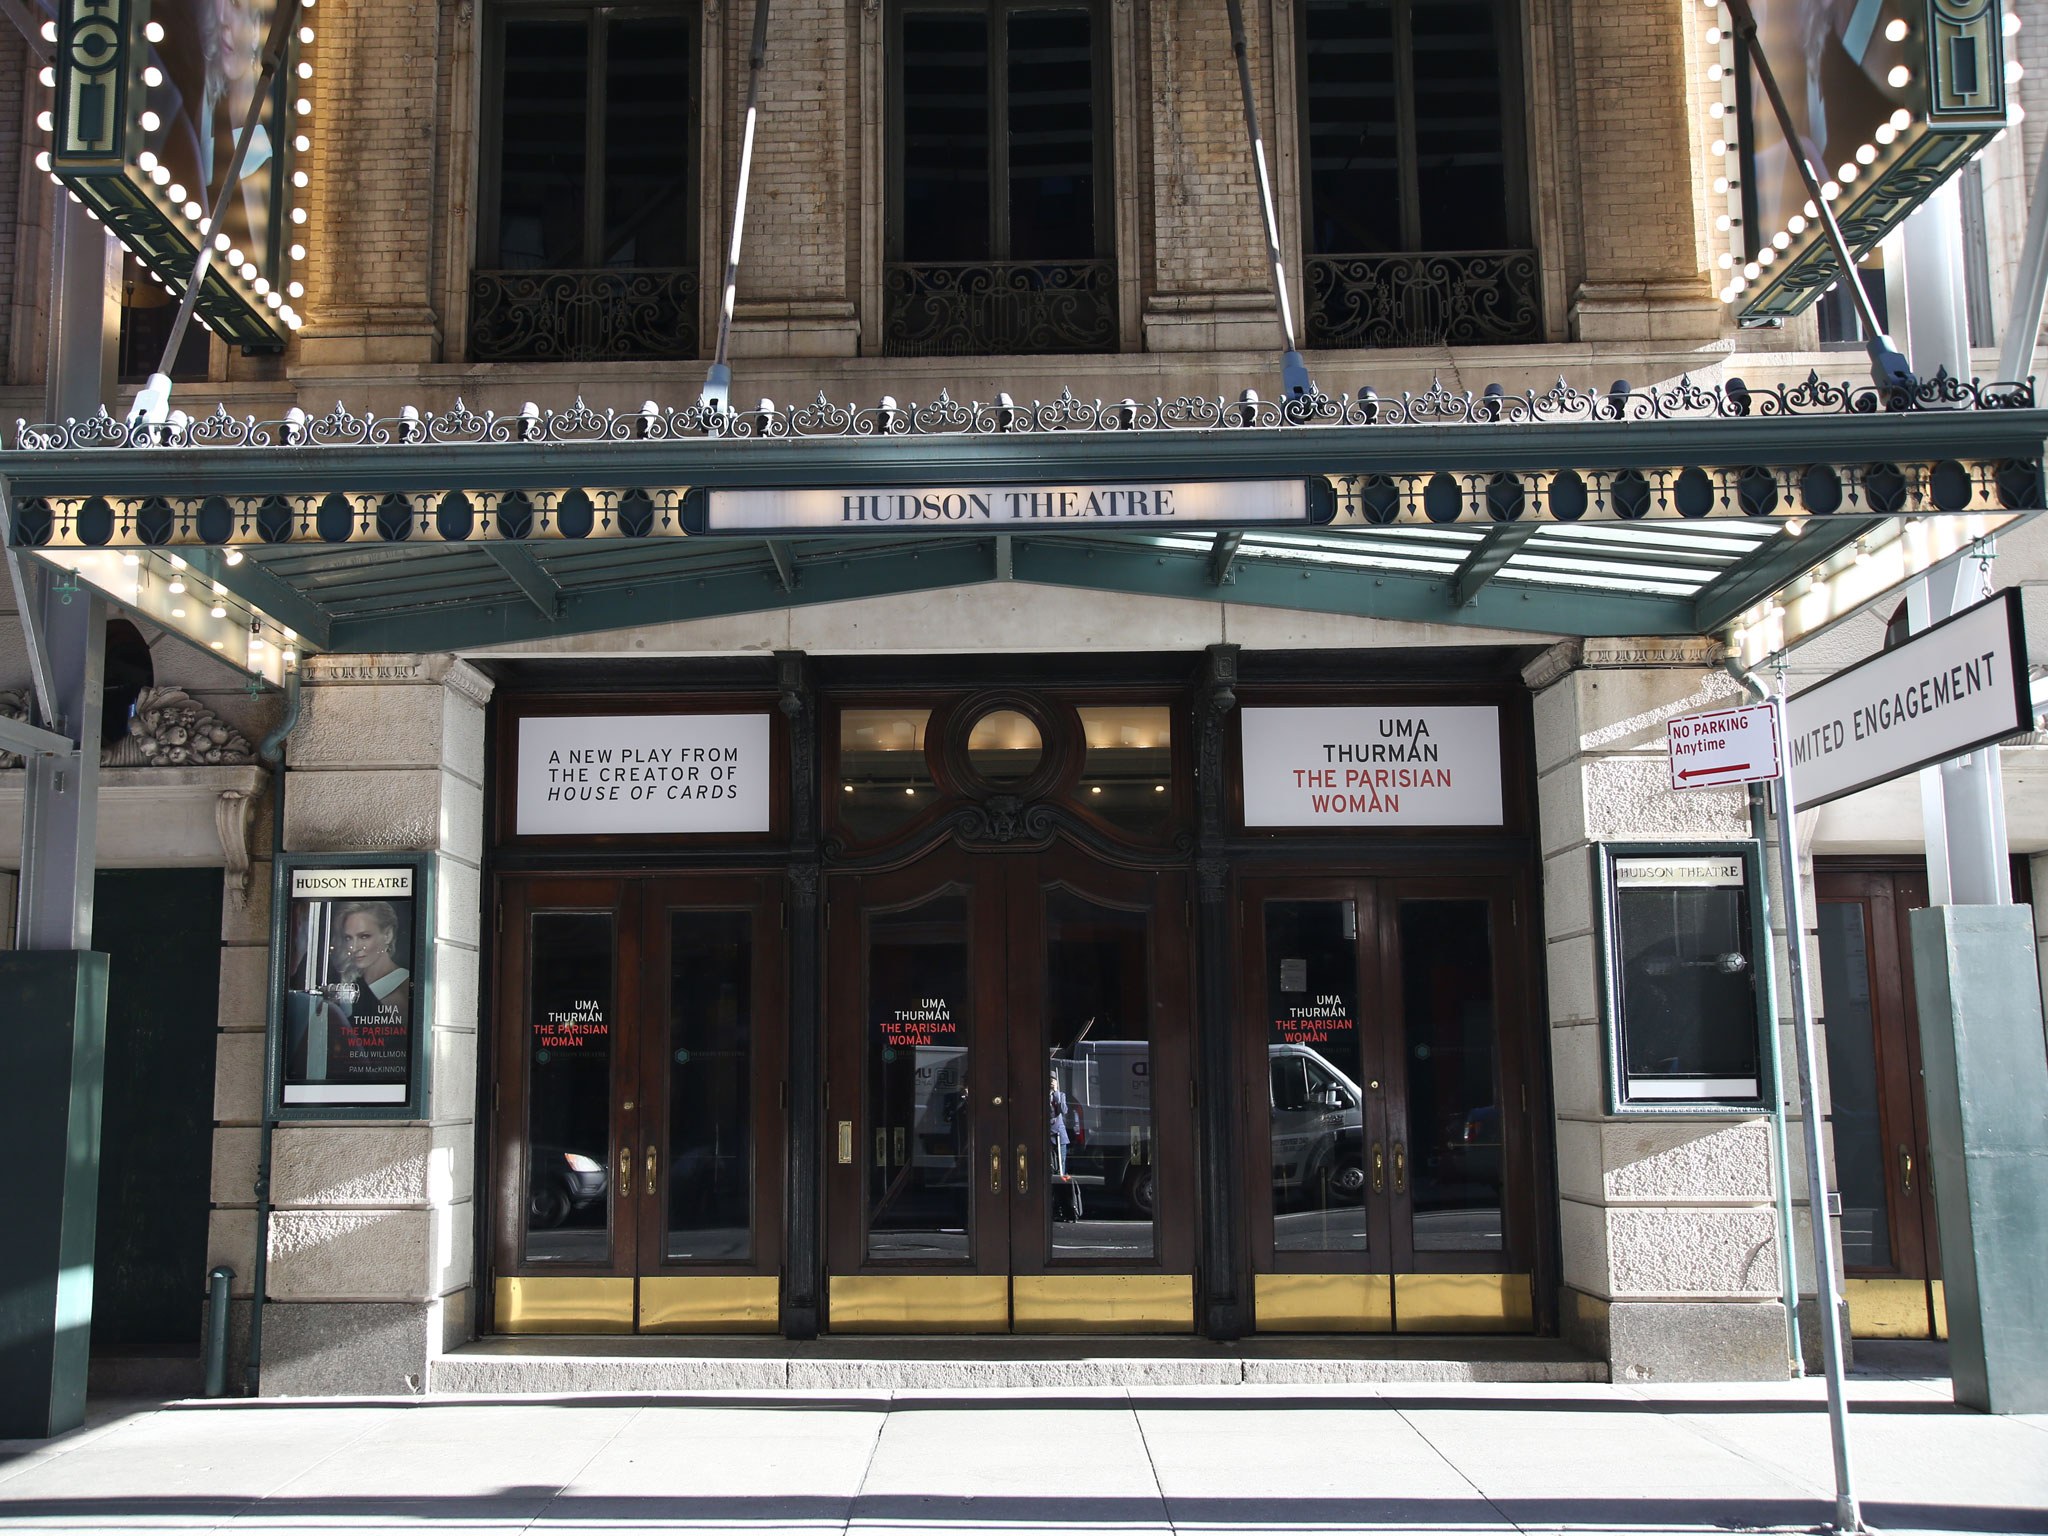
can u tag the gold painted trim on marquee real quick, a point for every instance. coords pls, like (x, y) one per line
(1882, 1308)
(1464, 1304)
(710, 1303)
(1323, 1303)
(565, 1304)
(1088, 1303)
(919, 1303)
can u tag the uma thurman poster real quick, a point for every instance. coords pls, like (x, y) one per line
(350, 992)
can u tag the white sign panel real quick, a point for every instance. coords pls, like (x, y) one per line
(1949, 690)
(999, 507)
(643, 774)
(1730, 746)
(349, 883)
(1376, 766)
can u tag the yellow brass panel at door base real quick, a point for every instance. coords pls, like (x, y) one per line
(1940, 1308)
(919, 1303)
(710, 1303)
(565, 1304)
(1103, 1303)
(1323, 1303)
(1887, 1309)
(1464, 1304)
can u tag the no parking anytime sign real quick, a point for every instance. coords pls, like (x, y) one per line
(1730, 746)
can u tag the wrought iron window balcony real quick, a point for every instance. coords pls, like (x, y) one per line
(1423, 299)
(582, 315)
(979, 309)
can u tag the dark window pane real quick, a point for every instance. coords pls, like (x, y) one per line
(541, 144)
(1127, 777)
(1448, 1030)
(920, 1030)
(1851, 1027)
(884, 780)
(1688, 993)
(1098, 1037)
(568, 1098)
(1460, 159)
(647, 127)
(1052, 136)
(945, 137)
(1315, 1060)
(1353, 150)
(710, 1054)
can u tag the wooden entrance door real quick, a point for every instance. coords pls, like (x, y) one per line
(1890, 1249)
(1384, 1116)
(1007, 1089)
(637, 1125)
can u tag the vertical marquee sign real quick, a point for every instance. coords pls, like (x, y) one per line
(1890, 98)
(151, 96)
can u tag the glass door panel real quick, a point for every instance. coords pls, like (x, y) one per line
(1315, 1075)
(710, 1070)
(1100, 1193)
(568, 1041)
(918, 1066)
(1450, 1167)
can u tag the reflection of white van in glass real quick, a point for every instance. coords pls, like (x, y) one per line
(1110, 1083)
(1318, 1127)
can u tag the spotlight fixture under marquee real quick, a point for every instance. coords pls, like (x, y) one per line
(150, 96)
(1892, 98)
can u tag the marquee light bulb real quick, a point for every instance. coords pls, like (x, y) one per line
(152, 77)
(1902, 119)
(2014, 71)
(220, 645)
(302, 143)
(46, 122)
(235, 257)
(298, 253)
(1720, 185)
(1849, 171)
(219, 613)
(1727, 260)
(298, 215)
(1781, 240)
(305, 70)
(150, 122)
(2012, 23)
(1714, 71)
(161, 175)
(262, 283)
(220, 242)
(1796, 224)
(305, 34)
(1895, 30)
(193, 211)
(177, 193)
(49, 78)
(1718, 147)
(303, 107)
(1830, 191)
(154, 31)
(177, 613)
(294, 321)
(299, 178)
(1899, 78)
(42, 159)
(50, 31)
(1767, 255)
(233, 556)
(297, 290)
(274, 300)
(177, 585)
(1865, 153)
(1885, 133)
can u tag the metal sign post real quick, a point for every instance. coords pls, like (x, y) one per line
(1847, 1516)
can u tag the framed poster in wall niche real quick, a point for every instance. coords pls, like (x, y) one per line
(352, 970)
(1684, 982)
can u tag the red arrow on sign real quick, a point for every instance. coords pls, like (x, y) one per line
(1694, 773)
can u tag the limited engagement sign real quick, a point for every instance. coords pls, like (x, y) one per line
(1956, 686)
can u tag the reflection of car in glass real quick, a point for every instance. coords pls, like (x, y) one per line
(1318, 1128)
(1465, 1165)
(1108, 1083)
(559, 1183)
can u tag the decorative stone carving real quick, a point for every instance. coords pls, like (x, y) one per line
(170, 729)
(231, 814)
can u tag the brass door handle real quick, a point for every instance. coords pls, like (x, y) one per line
(1379, 1169)
(650, 1168)
(1400, 1168)
(1023, 1170)
(995, 1170)
(625, 1172)
(1906, 1167)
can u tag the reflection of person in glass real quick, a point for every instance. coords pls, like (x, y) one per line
(381, 987)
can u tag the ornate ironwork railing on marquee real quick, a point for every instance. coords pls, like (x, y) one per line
(598, 314)
(990, 308)
(1423, 299)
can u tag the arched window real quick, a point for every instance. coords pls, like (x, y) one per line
(128, 670)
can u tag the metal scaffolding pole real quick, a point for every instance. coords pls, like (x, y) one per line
(717, 393)
(1294, 379)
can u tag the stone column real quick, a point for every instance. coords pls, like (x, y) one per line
(1640, 162)
(372, 1237)
(1670, 1244)
(370, 204)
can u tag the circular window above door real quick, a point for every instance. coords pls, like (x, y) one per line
(1004, 747)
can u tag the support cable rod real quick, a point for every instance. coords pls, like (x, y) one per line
(153, 401)
(1294, 379)
(2030, 285)
(31, 29)
(1887, 364)
(717, 393)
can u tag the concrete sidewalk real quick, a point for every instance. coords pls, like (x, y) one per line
(1466, 1458)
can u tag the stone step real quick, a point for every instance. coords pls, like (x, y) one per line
(497, 1367)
